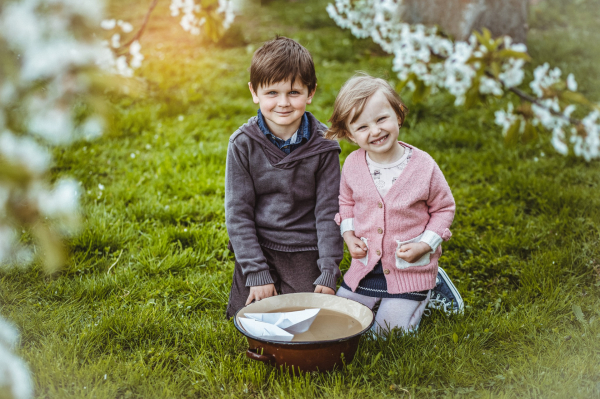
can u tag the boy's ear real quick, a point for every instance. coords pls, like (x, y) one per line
(254, 96)
(311, 95)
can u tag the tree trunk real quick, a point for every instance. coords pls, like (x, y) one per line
(459, 18)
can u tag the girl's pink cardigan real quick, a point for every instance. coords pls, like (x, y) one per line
(419, 200)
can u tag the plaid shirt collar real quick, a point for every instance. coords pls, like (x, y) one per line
(301, 136)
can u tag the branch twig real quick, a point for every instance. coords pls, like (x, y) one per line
(520, 93)
(535, 101)
(144, 23)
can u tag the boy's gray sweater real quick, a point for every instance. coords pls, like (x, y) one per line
(283, 202)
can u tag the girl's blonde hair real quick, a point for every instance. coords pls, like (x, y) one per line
(352, 98)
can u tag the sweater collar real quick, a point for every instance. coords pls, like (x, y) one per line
(301, 135)
(315, 145)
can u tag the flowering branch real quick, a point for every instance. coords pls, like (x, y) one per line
(47, 73)
(426, 62)
(121, 59)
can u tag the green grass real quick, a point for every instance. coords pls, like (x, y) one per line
(139, 310)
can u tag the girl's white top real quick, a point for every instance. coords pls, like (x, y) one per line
(384, 175)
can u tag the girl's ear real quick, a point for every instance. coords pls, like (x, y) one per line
(349, 137)
(400, 122)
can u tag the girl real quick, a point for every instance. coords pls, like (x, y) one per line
(395, 206)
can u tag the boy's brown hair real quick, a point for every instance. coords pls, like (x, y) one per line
(351, 101)
(281, 59)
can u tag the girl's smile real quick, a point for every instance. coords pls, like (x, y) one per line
(380, 140)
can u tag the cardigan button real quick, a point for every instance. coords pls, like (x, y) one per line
(386, 271)
(380, 230)
(378, 252)
(379, 205)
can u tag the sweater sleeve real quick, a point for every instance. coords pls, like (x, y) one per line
(441, 205)
(240, 200)
(329, 241)
(346, 202)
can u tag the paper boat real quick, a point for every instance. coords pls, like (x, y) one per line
(292, 322)
(265, 330)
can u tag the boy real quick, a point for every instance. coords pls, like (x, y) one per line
(281, 185)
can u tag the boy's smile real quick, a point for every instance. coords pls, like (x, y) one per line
(282, 105)
(376, 130)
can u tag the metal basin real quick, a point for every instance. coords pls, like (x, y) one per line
(332, 342)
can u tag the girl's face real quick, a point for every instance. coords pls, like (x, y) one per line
(376, 130)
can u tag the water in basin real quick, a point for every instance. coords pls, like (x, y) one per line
(328, 325)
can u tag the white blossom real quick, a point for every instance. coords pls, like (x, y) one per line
(190, 21)
(459, 74)
(14, 375)
(558, 141)
(136, 56)
(227, 11)
(512, 74)
(54, 125)
(571, 83)
(520, 47)
(24, 152)
(126, 27)
(543, 78)
(490, 86)
(44, 44)
(505, 119)
(569, 110)
(108, 24)
(589, 146)
(115, 40)
(122, 68)
(61, 201)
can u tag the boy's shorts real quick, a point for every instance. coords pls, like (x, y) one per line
(291, 272)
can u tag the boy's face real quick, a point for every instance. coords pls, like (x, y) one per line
(282, 105)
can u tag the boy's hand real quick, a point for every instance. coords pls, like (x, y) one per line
(261, 292)
(324, 290)
(356, 247)
(413, 251)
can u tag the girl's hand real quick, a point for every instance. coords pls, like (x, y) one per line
(413, 251)
(261, 292)
(324, 290)
(357, 248)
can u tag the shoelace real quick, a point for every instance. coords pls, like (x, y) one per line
(441, 302)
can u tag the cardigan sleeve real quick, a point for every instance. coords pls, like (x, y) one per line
(346, 199)
(441, 205)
